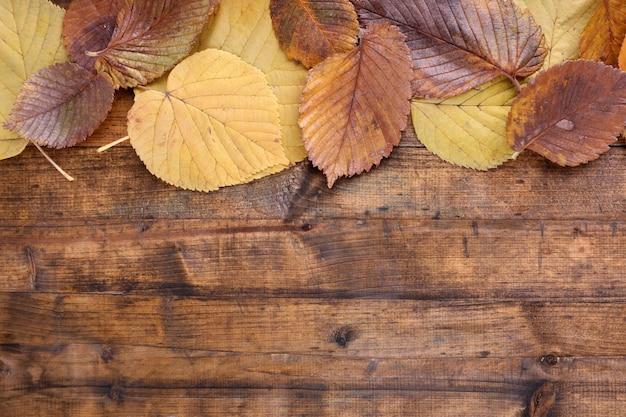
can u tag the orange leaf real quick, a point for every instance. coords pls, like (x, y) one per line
(602, 38)
(621, 61)
(458, 45)
(311, 30)
(151, 37)
(88, 26)
(61, 105)
(569, 113)
(355, 105)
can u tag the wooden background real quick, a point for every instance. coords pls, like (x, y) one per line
(418, 289)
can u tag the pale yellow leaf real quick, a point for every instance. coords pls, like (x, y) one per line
(216, 124)
(30, 39)
(562, 22)
(244, 28)
(467, 130)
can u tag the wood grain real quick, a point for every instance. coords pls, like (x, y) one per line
(419, 289)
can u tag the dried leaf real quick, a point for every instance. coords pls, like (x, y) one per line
(355, 105)
(311, 30)
(88, 27)
(151, 37)
(244, 28)
(467, 130)
(215, 125)
(30, 39)
(622, 56)
(570, 113)
(458, 45)
(602, 38)
(562, 22)
(61, 105)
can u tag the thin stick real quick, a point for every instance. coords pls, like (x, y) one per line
(54, 164)
(112, 144)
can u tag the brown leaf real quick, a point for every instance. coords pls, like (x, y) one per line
(457, 45)
(569, 113)
(61, 105)
(311, 30)
(88, 27)
(151, 37)
(355, 105)
(602, 38)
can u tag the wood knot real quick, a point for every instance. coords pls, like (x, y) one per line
(550, 360)
(115, 394)
(343, 335)
(542, 400)
(106, 354)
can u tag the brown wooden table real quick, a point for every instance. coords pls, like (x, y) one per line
(420, 289)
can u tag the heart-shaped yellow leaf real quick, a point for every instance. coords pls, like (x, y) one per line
(216, 124)
(244, 28)
(30, 39)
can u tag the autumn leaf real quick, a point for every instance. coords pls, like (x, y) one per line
(215, 125)
(151, 37)
(569, 113)
(311, 30)
(244, 28)
(30, 39)
(458, 45)
(88, 27)
(562, 22)
(603, 36)
(622, 57)
(355, 105)
(467, 130)
(60, 105)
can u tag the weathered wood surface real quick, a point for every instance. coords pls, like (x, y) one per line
(418, 289)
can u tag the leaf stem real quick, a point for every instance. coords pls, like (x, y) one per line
(112, 144)
(516, 84)
(54, 164)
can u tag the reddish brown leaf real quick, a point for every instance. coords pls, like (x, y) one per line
(61, 105)
(88, 27)
(355, 105)
(569, 113)
(457, 45)
(602, 38)
(151, 37)
(311, 30)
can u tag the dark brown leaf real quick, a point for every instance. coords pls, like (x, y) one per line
(151, 37)
(60, 105)
(88, 27)
(311, 30)
(457, 45)
(569, 113)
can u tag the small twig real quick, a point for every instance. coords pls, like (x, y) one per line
(54, 164)
(112, 144)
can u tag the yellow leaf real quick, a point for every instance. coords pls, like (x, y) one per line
(215, 125)
(244, 28)
(468, 130)
(30, 39)
(562, 22)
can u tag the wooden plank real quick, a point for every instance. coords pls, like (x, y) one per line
(433, 259)
(255, 403)
(365, 328)
(101, 380)
(25, 368)
(412, 184)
